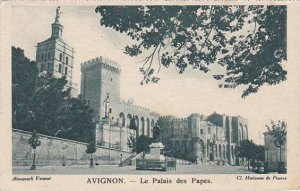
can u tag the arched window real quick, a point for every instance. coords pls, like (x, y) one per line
(242, 132)
(122, 119)
(60, 57)
(129, 121)
(49, 55)
(246, 132)
(137, 125)
(148, 127)
(143, 125)
(59, 68)
(67, 60)
(66, 70)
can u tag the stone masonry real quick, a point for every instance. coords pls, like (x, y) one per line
(202, 139)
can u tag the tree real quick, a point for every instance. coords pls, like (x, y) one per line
(140, 144)
(259, 156)
(24, 74)
(247, 42)
(131, 143)
(44, 103)
(75, 120)
(246, 149)
(260, 153)
(49, 97)
(90, 149)
(278, 131)
(34, 143)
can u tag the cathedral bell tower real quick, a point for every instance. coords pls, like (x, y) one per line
(55, 56)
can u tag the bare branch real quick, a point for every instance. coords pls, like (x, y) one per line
(158, 55)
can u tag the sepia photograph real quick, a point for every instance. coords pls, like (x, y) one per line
(102, 91)
(69, 111)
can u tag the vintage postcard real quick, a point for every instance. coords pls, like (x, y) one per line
(152, 95)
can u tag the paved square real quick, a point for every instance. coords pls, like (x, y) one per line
(114, 169)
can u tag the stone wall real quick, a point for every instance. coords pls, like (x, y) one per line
(199, 138)
(145, 118)
(53, 151)
(113, 136)
(239, 129)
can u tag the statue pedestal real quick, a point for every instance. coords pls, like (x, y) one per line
(156, 150)
(155, 160)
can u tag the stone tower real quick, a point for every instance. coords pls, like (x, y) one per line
(55, 56)
(100, 86)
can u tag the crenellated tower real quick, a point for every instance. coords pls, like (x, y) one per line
(100, 86)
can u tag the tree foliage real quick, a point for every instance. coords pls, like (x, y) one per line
(44, 104)
(278, 131)
(34, 143)
(247, 150)
(139, 144)
(34, 140)
(91, 148)
(259, 153)
(24, 74)
(251, 152)
(142, 144)
(249, 42)
(48, 98)
(131, 143)
(75, 120)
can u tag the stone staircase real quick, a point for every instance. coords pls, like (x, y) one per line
(131, 159)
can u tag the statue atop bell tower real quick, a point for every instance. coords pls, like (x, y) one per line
(56, 26)
(58, 13)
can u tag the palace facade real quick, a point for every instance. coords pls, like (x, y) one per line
(203, 138)
(198, 138)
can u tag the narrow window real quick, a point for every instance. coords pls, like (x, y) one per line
(67, 60)
(48, 66)
(59, 68)
(60, 57)
(43, 56)
(49, 55)
(66, 70)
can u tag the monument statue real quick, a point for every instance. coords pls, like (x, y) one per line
(106, 103)
(156, 133)
(58, 13)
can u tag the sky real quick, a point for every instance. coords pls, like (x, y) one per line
(175, 94)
